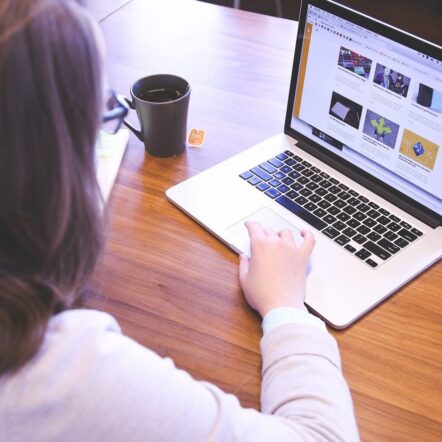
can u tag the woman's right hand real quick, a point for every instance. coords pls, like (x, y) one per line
(275, 274)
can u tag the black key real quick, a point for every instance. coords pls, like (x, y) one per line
(363, 254)
(369, 222)
(286, 169)
(342, 240)
(344, 195)
(324, 204)
(374, 236)
(301, 212)
(416, 232)
(353, 223)
(262, 186)
(379, 229)
(333, 210)
(373, 205)
(359, 239)
(289, 153)
(343, 186)
(305, 192)
(343, 216)
(330, 197)
(290, 161)
(387, 245)
(315, 169)
(279, 175)
(350, 210)
(378, 251)
(310, 207)
(276, 162)
(295, 174)
(334, 189)
(363, 208)
(320, 212)
(254, 180)
(339, 225)
(292, 194)
(329, 219)
(349, 232)
(306, 164)
(301, 200)
(269, 168)
(393, 226)
(334, 181)
(307, 172)
(303, 180)
(350, 248)
(363, 230)
(281, 156)
(326, 184)
(401, 243)
(339, 203)
(261, 173)
(390, 235)
(384, 212)
(324, 175)
(371, 263)
(363, 199)
(383, 220)
(298, 158)
(314, 198)
(246, 175)
(330, 232)
(372, 214)
(283, 188)
(321, 191)
(395, 219)
(299, 167)
(296, 186)
(353, 193)
(275, 182)
(312, 186)
(359, 216)
(405, 225)
(287, 181)
(272, 193)
(316, 178)
(353, 201)
(407, 235)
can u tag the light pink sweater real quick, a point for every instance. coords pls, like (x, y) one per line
(91, 383)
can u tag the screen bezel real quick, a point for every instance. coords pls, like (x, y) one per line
(378, 186)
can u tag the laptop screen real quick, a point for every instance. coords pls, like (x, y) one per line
(372, 101)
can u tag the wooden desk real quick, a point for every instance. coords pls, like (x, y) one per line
(173, 287)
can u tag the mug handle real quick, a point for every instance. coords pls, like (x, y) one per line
(136, 132)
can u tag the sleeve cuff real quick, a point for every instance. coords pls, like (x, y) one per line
(290, 315)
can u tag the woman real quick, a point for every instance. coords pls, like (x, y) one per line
(69, 374)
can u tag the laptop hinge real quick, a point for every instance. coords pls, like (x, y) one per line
(373, 184)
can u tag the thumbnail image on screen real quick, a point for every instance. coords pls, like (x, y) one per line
(428, 97)
(391, 80)
(380, 128)
(419, 149)
(345, 110)
(354, 62)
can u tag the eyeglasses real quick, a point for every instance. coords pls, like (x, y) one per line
(117, 110)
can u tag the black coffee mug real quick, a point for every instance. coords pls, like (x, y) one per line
(162, 103)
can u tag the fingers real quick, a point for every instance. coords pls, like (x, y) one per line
(243, 266)
(287, 236)
(255, 230)
(308, 243)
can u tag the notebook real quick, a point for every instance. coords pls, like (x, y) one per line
(359, 163)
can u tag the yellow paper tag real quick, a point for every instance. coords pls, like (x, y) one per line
(196, 137)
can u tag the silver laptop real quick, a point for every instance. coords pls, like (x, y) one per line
(359, 163)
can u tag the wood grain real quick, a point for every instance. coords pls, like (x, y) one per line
(174, 288)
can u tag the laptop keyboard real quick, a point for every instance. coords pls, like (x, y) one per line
(362, 227)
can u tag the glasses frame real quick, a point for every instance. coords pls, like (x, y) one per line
(119, 112)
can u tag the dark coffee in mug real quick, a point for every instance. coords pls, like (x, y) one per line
(162, 95)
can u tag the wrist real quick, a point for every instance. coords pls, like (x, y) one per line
(297, 305)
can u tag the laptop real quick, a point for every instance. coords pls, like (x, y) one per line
(359, 163)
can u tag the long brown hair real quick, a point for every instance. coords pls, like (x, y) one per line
(50, 218)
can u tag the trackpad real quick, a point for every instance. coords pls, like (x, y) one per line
(238, 235)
